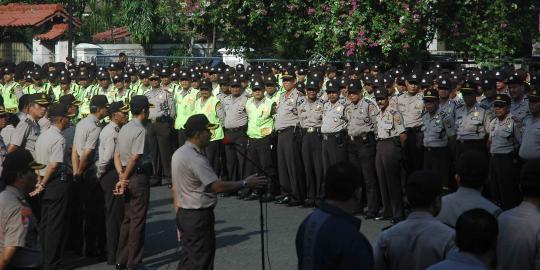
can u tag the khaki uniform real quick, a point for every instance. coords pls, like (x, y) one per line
(26, 134)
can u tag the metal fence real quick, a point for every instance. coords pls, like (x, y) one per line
(16, 52)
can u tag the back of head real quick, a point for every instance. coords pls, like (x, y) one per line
(423, 188)
(472, 168)
(476, 231)
(530, 173)
(340, 181)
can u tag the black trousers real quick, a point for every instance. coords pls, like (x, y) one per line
(388, 164)
(414, 159)
(114, 213)
(198, 239)
(334, 149)
(54, 221)
(236, 165)
(290, 169)
(362, 155)
(161, 151)
(312, 158)
(260, 152)
(93, 213)
(181, 137)
(131, 239)
(215, 152)
(438, 159)
(468, 145)
(505, 180)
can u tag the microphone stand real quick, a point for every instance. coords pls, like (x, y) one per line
(245, 156)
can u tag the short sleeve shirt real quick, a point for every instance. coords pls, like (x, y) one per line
(191, 175)
(132, 141)
(389, 123)
(50, 147)
(26, 134)
(87, 134)
(107, 147)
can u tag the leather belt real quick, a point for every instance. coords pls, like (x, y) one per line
(475, 141)
(242, 128)
(362, 137)
(312, 129)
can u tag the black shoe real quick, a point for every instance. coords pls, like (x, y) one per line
(267, 198)
(309, 203)
(284, 200)
(280, 197)
(379, 218)
(251, 197)
(370, 216)
(294, 203)
(120, 266)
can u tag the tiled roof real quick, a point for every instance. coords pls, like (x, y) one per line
(17, 14)
(56, 31)
(117, 33)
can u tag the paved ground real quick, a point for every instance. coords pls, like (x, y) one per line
(237, 230)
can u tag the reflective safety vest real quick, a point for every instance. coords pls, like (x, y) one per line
(185, 106)
(85, 95)
(11, 102)
(209, 108)
(260, 119)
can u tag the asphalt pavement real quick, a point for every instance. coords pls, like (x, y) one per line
(237, 233)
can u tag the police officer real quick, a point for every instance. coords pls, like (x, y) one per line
(310, 112)
(504, 139)
(438, 133)
(145, 82)
(235, 125)
(333, 128)
(271, 89)
(184, 99)
(11, 90)
(260, 111)
(160, 123)
(411, 107)
(472, 122)
(89, 199)
(19, 246)
(86, 91)
(105, 87)
(211, 107)
(133, 154)
(391, 137)
(361, 115)
(290, 169)
(54, 185)
(119, 88)
(447, 105)
(107, 174)
(530, 144)
(28, 130)
(223, 87)
(519, 108)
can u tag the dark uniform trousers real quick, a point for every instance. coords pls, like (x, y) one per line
(438, 159)
(414, 159)
(260, 152)
(362, 155)
(505, 180)
(215, 152)
(290, 169)
(463, 146)
(131, 239)
(388, 164)
(312, 158)
(198, 239)
(236, 165)
(160, 150)
(114, 213)
(54, 220)
(334, 149)
(93, 212)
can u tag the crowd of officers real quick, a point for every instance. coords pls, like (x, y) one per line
(105, 129)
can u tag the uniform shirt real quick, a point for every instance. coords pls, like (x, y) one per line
(437, 129)
(411, 108)
(69, 135)
(287, 109)
(488, 104)
(235, 111)
(310, 113)
(519, 110)
(44, 124)
(18, 228)
(462, 261)
(132, 141)
(518, 245)
(221, 96)
(330, 238)
(163, 103)
(464, 199)
(87, 135)
(472, 124)
(504, 135)
(50, 147)
(6, 134)
(107, 147)
(389, 124)
(530, 142)
(191, 175)
(449, 107)
(26, 134)
(11, 92)
(334, 117)
(415, 243)
(362, 117)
